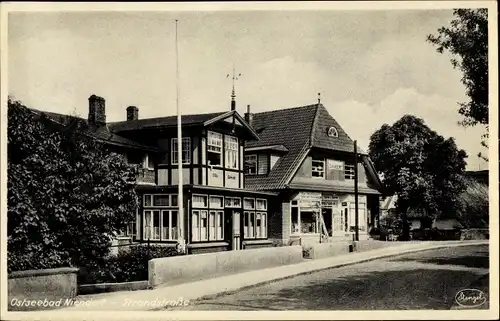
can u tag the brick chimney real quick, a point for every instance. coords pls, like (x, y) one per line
(132, 113)
(249, 116)
(97, 111)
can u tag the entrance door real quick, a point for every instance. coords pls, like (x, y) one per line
(233, 228)
(236, 231)
(327, 218)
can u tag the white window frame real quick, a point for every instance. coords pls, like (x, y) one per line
(316, 168)
(172, 229)
(231, 202)
(204, 230)
(231, 148)
(349, 171)
(332, 132)
(199, 195)
(195, 225)
(151, 198)
(249, 231)
(151, 231)
(211, 204)
(261, 208)
(215, 225)
(253, 158)
(186, 148)
(214, 145)
(249, 208)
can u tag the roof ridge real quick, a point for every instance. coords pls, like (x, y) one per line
(162, 117)
(315, 121)
(285, 109)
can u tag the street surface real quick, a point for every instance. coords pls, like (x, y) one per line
(423, 280)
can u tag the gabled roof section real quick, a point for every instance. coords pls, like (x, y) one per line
(290, 128)
(241, 120)
(100, 134)
(273, 148)
(162, 122)
(319, 135)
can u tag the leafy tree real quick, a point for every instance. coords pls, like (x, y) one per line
(467, 41)
(421, 167)
(67, 194)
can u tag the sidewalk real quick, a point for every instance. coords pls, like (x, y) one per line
(158, 299)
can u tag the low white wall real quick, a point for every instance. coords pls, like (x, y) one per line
(324, 250)
(187, 268)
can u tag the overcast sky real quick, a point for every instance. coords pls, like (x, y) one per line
(371, 67)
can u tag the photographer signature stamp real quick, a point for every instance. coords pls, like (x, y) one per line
(470, 298)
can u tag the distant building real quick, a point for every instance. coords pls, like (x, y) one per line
(480, 176)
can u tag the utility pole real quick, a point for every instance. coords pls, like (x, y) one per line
(180, 198)
(356, 191)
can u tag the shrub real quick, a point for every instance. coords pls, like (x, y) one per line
(66, 193)
(125, 267)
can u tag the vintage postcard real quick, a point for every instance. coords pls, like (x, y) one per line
(249, 160)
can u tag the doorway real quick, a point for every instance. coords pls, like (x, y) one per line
(233, 227)
(327, 218)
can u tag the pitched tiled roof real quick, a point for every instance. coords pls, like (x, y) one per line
(297, 129)
(101, 134)
(161, 122)
(320, 138)
(290, 128)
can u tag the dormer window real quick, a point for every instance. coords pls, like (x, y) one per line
(214, 149)
(332, 132)
(251, 164)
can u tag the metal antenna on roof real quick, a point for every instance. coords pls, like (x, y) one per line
(233, 95)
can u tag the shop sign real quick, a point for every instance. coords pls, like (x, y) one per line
(335, 165)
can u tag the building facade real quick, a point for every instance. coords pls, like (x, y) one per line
(215, 201)
(308, 159)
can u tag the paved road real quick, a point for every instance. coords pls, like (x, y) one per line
(424, 280)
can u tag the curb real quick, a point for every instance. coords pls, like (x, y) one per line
(362, 260)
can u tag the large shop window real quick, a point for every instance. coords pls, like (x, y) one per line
(186, 151)
(308, 222)
(214, 149)
(231, 151)
(318, 168)
(251, 164)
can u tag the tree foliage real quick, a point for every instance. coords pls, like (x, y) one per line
(66, 193)
(421, 167)
(467, 41)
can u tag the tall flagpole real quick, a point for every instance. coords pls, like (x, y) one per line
(180, 199)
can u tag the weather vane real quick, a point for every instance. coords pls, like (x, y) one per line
(233, 95)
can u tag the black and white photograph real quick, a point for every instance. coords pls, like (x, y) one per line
(241, 160)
